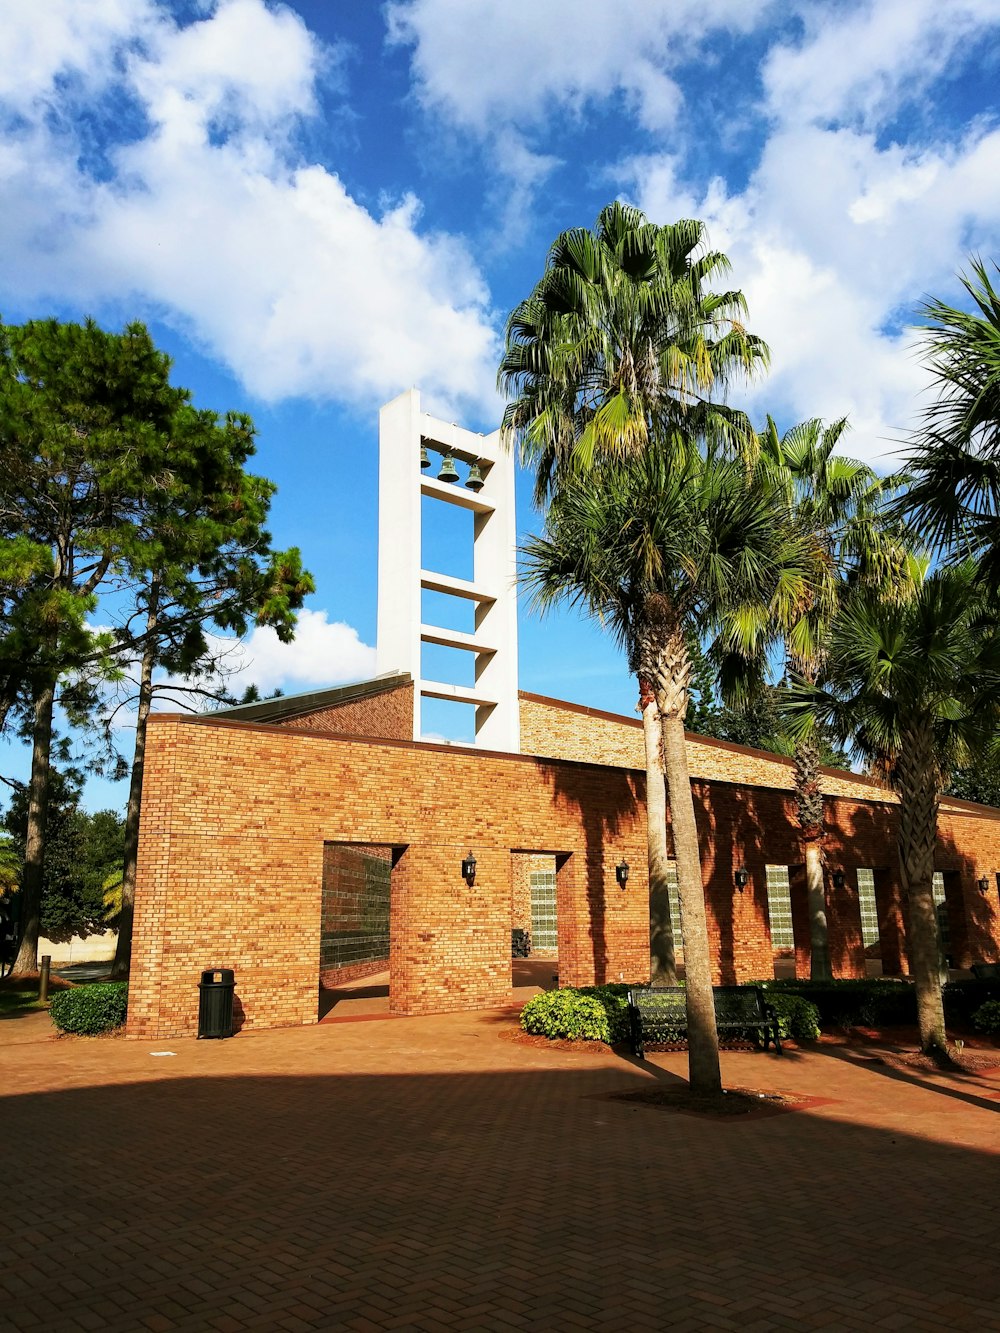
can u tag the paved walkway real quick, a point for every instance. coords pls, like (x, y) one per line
(427, 1174)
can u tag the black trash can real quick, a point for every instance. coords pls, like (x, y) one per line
(215, 1003)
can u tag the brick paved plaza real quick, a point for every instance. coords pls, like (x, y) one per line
(425, 1173)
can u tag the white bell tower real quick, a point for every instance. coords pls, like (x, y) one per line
(408, 440)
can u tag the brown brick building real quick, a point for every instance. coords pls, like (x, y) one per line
(306, 837)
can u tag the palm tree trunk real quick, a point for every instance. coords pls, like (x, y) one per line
(33, 875)
(671, 680)
(704, 1072)
(809, 809)
(917, 843)
(662, 962)
(123, 948)
(819, 944)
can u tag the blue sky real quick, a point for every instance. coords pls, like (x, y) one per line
(316, 205)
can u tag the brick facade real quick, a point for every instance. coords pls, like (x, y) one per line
(388, 714)
(558, 730)
(236, 816)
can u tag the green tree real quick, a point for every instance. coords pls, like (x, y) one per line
(663, 554)
(841, 502)
(954, 460)
(979, 782)
(204, 562)
(913, 688)
(112, 480)
(759, 723)
(84, 437)
(617, 351)
(10, 871)
(704, 709)
(623, 345)
(81, 850)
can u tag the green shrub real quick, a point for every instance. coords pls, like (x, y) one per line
(566, 1013)
(797, 1018)
(87, 1010)
(600, 1013)
(613, 998)
(883, 1002)
(850, 1002)
(987, 1017)
(963, 999)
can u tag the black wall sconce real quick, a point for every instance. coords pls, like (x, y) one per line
(839, 879)
(469, 869)
(621, 873)
(984, 884)
(742, 879)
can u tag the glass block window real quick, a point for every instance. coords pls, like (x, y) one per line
(674, 900)
(941, 907)
(355, 905)
(869, 911)
(543, 910)
(779, 907)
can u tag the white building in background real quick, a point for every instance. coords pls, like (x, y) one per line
(417, 456)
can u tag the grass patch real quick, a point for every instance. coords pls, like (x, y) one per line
(14, 1002)
(19, 995)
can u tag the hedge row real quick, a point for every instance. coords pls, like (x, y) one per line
(600, 1013)
(883, 1002)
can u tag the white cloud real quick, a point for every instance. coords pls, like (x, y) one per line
(842, 229)
(206, 216)
(64, 37)
(835, 241)
(322, 654)
(523, 63)
(563, 54)
(861, 62)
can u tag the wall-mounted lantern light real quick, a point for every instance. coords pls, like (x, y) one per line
(984, 884)
(621, 873)
(839, 879)
(742, 879)
(469, 869)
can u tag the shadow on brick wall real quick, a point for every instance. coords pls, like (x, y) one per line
(740, 828)
(610, 806)
(867, 836)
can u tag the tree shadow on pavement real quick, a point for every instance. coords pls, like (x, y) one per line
(872, 1064)
(207, 1194)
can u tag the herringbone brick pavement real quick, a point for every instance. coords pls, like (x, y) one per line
(425, 1174)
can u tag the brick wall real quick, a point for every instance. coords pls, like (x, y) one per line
(520, 890)
(231, 857)
(560, 730)
(235, 817)
(388, 714)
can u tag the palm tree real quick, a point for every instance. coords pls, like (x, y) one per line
(841, 501)
(622, 344)
(954, 461)
(618, 349)
(661, 550)
(913, 687)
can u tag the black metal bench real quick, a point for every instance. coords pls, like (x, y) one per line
(657, 1015)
